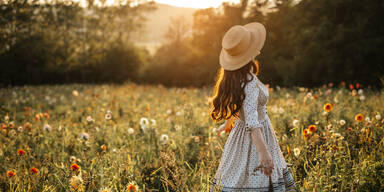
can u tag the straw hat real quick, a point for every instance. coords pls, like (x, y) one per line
(241, 44)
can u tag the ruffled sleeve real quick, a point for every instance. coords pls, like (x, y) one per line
(250, 106)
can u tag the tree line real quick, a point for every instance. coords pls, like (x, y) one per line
(309, 43)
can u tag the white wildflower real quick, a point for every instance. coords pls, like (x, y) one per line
(108, 116)
(75, 93)
(47, 127)
(85, 136)
(295, 122)
(153, 122)
(144, 122)
(164, 138)
(131, 131)
(296, 151)
(169, 111)
(177, 127)
(89, 119)
(378, 117)
(360, 92)
(178, 113)
(362, 98)
(342, 122)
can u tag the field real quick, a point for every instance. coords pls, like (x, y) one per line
(151, 138)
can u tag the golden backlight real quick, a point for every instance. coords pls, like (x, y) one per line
(178, 3)
(195, 3)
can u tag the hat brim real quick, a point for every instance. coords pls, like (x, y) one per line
(258, 35)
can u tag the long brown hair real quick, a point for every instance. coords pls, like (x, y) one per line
(229, 91)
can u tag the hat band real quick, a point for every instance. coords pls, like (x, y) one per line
(242, 46)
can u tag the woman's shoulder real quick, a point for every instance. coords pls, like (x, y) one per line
(252, 84)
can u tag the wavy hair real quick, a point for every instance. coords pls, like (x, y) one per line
(229, 91)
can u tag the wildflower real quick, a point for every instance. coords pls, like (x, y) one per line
(144, 122)
(342, 122)
(131, 130)
(76, 182)
(336, 100)
(89, 119)
(46, 115)
(214, 130)
(354, 92)
(357, 85)
(11, 173)
(20, 129)
(75, 93)
(85, 136)
(75, 167)
(312, 128)
(329, 126)
(153, 122)
(72, 159)
(164, 138)
(3, 126)
(177, 127)
(349, 129)
(11, 125)
(328, 92)
(37, 117)
(103, 147)
(362, 98)
(108, 116)
(105, 190)
(178, 113)
(315, 96)
(351, 87)
(296, 151)
(131, 187)
(359, 117)
(169, 111)
(281, 110)
(21, 152)
(197, 139)
(34, 170)
(378, 117)
(328, 107)
(47, 127)
(306, 133)
(6, 117)
(360, 92)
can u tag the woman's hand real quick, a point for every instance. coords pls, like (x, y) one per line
(266, 162)
(227, 126)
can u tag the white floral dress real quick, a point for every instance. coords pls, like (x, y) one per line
(240, 157)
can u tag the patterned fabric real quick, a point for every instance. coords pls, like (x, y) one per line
(240, 157)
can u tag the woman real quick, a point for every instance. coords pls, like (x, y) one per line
(252, 159)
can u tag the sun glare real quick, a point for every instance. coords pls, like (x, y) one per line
(195, 3)
(177, 3)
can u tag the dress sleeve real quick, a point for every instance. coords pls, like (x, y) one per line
(250, 107)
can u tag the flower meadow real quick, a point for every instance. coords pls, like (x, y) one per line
(151, 138)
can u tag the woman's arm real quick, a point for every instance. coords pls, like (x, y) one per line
(258, 141)
(227, 126)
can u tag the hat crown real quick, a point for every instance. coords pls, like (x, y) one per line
(236, 40)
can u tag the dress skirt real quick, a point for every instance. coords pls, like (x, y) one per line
(240, 158)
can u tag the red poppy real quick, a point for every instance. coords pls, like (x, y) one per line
(21, 152)
(34, 170)
(75, 167)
